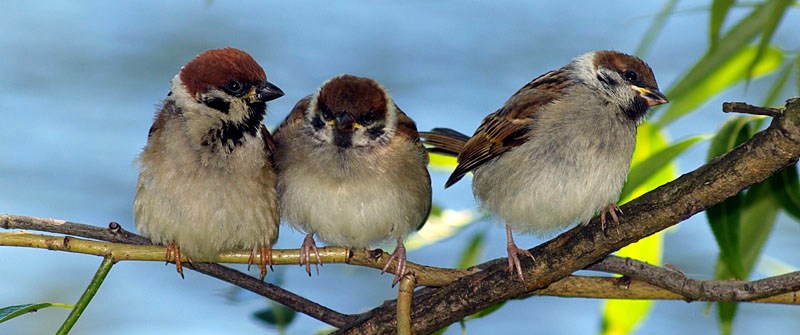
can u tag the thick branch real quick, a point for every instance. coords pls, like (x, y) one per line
(766, 153)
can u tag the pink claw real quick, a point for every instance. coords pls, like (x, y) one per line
(611, 209)
(513, 255)
(399, 255)
(306, 249)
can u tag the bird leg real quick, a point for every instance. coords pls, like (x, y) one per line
(174, 254)
(264, 258)
(611, 209)
(513, 252)
(399, 255)
(306, 248)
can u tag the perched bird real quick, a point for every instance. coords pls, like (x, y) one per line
(559, 150)
(352, 169)
(206, 182)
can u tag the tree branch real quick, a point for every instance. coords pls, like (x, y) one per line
(767, 152)
(143, 250)
(707, 290)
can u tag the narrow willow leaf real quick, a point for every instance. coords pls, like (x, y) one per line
(277, 315)
(624, 316)
(719, 10)
(10, 312)
(757, 219)
(731, 71)
(731, 43)
(442, 163)
(778, 85)
(786, 189)
(442, 226)
(473, 251)
(648, 168)
(779, 9)
(725, 218)
(655, 27)
(797, 74)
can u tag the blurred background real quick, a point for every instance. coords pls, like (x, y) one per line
(81, 81)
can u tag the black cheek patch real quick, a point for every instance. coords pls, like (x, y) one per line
(606, 80)
(637, 110)
(218, 104)
(317, 123)
(375, 132)
(342, 139)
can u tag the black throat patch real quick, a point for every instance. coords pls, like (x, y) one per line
(637, 110)
(342, 139)
(231, 134)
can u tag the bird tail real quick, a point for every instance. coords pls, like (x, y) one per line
(444, 141)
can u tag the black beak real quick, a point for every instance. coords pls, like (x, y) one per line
(268, 92)
(344, 122)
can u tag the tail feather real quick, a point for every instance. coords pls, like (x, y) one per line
(444, 141)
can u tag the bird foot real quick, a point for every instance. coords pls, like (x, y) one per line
(264, 259)
(174, 255)
(398, 255)
(612, 210)
(306, 249)
(513, 259)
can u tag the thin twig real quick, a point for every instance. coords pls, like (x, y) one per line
(744, 108)
(141, 248)
(404, 298)
(87, 296)
(706, 290)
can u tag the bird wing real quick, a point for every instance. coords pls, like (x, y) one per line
(508, 127)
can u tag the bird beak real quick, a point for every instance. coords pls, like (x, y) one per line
(653, 96)
(344, 122)
(267, 92)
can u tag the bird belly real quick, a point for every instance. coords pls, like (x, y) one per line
(206, 211)
(545, 188)
(353, 212)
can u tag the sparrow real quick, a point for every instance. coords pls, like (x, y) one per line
(559, 150)
(206, 179)
(352, 169)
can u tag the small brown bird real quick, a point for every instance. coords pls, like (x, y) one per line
(206, 181)
(352, 169)
(559, 150)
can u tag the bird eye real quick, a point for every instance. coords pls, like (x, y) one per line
(630, 76)
(326, 114)
(234, 87)
(366, 118)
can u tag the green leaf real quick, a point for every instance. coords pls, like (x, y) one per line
(440, 226)
(739, 36)
(730, 71)
(444, 163)
(10, 312)
(758, 214)
(277, 315)
(779, 9)
(624, 316)
(647, 169)
(472, 253)
(725, 217)
(777, 86)
(797, 75)
(655, 27)
(719, 10)
(786, 189)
